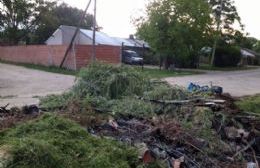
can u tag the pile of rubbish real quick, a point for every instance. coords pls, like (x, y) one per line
(172, 126)
(232, 139)
(10, 117)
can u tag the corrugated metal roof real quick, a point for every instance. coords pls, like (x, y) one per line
(101, 38)
(125, 41)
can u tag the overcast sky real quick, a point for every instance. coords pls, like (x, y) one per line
(115, 15)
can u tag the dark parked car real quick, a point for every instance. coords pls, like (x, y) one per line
(131, 57)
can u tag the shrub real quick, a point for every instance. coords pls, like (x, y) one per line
(227, 56)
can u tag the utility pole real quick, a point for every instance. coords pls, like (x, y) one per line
(94, 32)
(218, 30)
(75, 34)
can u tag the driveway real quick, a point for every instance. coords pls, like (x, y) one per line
(21, 86)
(237, 83)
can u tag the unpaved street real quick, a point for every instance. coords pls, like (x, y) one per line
(237, 83)
(20, 86)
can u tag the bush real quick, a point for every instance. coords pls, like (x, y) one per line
(151, 58)
(227, 56)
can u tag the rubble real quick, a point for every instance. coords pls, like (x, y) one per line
(13, 116)
(166, 124)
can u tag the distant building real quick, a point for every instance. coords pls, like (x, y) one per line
(64, 34)
(249, 57)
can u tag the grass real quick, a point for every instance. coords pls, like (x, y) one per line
(210, 68)
(153, 73)
(250, 104)
(156, 73)
(52, 141)
(52, 69)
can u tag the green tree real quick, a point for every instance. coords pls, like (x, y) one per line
(224, 15)
(16, 19)
(257, 46)
(33, 21)
(51, 16)
(177, 29)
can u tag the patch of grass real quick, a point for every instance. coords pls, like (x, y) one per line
(52, 69)
(210, 68)
(250, 104)
(157, 73)
(52, 141)
(8, 96)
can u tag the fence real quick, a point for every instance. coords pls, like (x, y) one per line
(52, 55)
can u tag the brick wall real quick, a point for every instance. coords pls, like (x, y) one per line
(52, 55)
(37, 54)
(104, 53)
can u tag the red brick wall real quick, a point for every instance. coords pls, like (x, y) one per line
(37, 54)
(108, 54)
(53, 55)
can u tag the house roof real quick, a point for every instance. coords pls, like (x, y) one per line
(132, 42)
(101, 38)
(249, 53)
(104, 39)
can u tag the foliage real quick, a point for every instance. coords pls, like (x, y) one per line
(176, 29)
(244, 41)
(51, 16)
(33, 21)
(224, 15)
(227, 56)
(110, 81)
(257, 46)
(115, 90)
(53, 102)
(159, 74)
(250, 104)
(16, 19)
(52, 141)
(130, 107)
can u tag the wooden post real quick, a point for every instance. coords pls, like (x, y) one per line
(143, 52)
(122, 52)
(94, 33)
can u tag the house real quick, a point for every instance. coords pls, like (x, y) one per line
(249, 57)
(131, 43)
(64, 34)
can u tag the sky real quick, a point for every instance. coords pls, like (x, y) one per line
(115, 16)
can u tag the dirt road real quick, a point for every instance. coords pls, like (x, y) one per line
(20, 86)
(237, 83)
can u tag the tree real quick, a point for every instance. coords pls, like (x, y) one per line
(33, 21)
(51, 16)
(177, 29)
(224, 15)
(257, 46)
(16, 19)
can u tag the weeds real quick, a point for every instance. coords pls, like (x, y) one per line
(250, 104)
(52, 141)
(114, 89)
